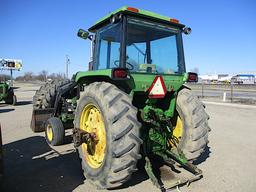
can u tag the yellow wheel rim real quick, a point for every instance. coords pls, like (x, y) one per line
(177, 131)
(91, 121)
(49, 132)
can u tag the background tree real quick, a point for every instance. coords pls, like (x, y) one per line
(28, 76)
(42, 75)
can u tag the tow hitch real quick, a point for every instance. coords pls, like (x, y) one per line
(80, 136)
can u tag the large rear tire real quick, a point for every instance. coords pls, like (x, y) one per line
(195, 127)
(45, 98)
(114, 120)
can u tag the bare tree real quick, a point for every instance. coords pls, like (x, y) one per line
(28, 76)
(43, 75)
(60, 76)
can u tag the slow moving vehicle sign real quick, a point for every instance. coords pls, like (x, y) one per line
(157, 89)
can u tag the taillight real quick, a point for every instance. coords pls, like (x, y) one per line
(120, 73)
(133, 9)
(192, 77)
(174, 20)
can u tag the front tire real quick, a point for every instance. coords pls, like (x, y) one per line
(54, 131)
(121, 128)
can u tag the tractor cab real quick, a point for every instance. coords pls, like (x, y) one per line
(139, 41)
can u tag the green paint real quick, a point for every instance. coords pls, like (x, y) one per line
(138, 81)
(124, 9)
(143, 81)
(103, 72)
(65, 117)
(170, 112)
(185, 77)
(3, 90)
(158, 137)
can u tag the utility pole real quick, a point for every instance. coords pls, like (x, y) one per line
(11, 78)
(67, 63)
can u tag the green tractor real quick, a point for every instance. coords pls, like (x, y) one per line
(7, 93)
(131, 104)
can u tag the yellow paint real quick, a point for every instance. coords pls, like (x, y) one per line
(178, 131)
(49, 133)
(92, 121)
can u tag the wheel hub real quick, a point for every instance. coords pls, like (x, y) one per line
(49, 132)
(91, 121)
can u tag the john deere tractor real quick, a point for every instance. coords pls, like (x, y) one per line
(7, 93)
(131, 104)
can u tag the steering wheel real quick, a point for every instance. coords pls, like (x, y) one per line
(129, 65)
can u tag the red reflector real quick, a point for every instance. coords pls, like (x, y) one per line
(192, 77)
(157, 89)
(174, 20)
(133, 9)
(120, 73)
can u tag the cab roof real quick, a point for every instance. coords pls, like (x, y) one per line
(137, 13)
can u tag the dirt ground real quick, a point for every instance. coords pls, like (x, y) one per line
(31, 165)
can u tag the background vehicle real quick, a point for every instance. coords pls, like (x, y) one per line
(131, 104)
(243, 79)
(7, 93)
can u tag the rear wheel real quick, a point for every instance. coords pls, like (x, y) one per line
(191, 125)
(108, 112)
(11, 98)
(54, 131)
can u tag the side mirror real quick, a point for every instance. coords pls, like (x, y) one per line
(83, 34)
(187, 30)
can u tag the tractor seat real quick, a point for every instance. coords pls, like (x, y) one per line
(147, 68)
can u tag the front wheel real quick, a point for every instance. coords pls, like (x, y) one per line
(108, 113)
(54, 131)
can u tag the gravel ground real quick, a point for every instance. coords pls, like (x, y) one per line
(31, 165)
